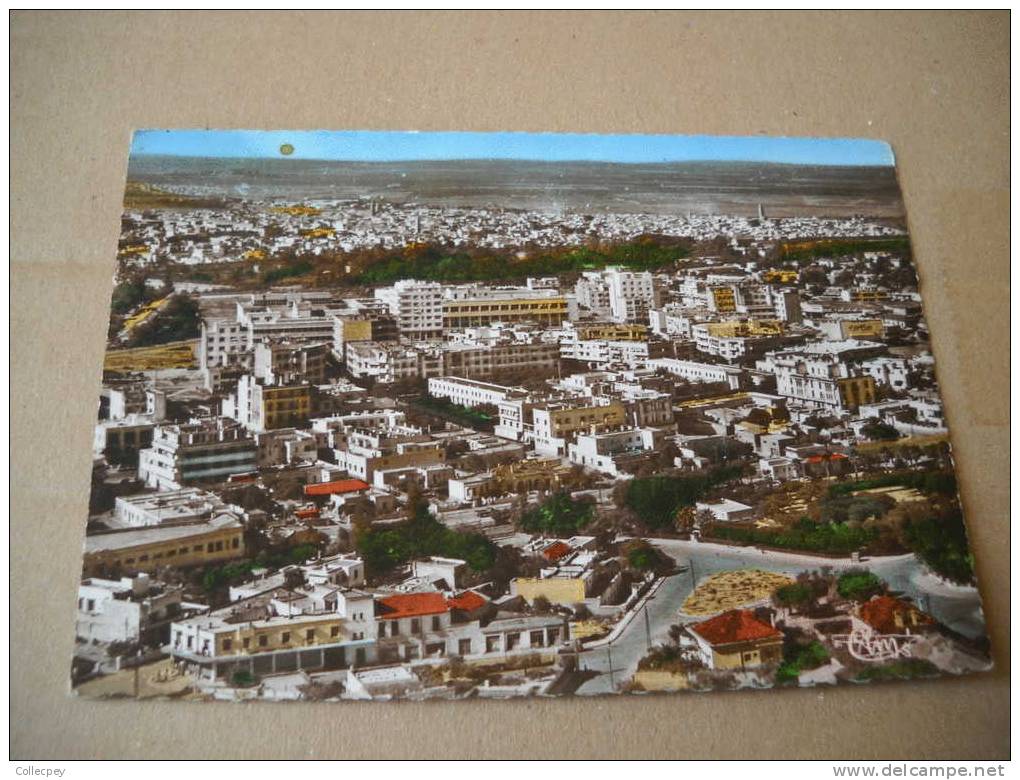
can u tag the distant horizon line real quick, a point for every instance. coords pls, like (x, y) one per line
(698, 161)
(407, 146)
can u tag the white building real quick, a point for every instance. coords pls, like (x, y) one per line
(471, 392)
(726, 510)
(172, 506)
(196, 451)
(601, 353)
(417, 307)
(694, 371)
(127, 610)
(631, 294)
(606, 452)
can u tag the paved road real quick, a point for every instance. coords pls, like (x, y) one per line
(632, 644)
(960, 609)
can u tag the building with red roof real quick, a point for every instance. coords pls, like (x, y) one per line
(556, 550)
(889, 615)
(737, 640)
(407, 605)
(337, 487)
(468, 601)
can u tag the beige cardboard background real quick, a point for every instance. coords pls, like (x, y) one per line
(935, 85)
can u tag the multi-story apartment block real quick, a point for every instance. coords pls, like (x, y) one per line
(735, 339)
(265, 407)
(821, 381)
(602, 354)
(556, 423)
(609, 331)
(361, 451)
(287, 362)
(592, 293)
(472, 306)
(646, 408)
(693, 371)
(348, 328)
(220, 342)
(631, 294)
(201, 450)
(611, 451)
(417, 307)
(473, 362)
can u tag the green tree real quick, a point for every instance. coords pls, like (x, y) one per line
(794, 595)
(859, 585)
(640, 555)
(656, 500)
(560, 515)
(940, 540)
(178, 320)
(383, 549)
(880, 431)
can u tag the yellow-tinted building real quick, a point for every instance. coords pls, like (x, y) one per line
(264, 636)
(856, 390)
(296, 211)
(780, 276)
(867, 296)
(471, 313)
(737, 640)
(557, 421)
(723, 299)
(509, 478)
(744, 328)
(278, 631)
(862, 329)
(285, 407)
(146, 549)
(321, 232)
(611, 331)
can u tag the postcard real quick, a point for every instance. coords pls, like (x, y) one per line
(409, 415)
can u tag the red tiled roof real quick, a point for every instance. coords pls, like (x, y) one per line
(880, 614)
(825, 456)
(555, 551)
(401, 605)
(338, 486)
(737, 625)
(468, 601)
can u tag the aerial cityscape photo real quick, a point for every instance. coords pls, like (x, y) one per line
(391, 415)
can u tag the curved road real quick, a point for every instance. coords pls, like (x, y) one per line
(959, 609)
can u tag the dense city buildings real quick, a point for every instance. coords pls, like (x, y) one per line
(422, 449)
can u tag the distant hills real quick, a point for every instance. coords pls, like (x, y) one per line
(699, 187)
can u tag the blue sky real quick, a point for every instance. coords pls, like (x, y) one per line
(380, 146)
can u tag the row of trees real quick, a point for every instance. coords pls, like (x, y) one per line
(439, 264)
(805, 534)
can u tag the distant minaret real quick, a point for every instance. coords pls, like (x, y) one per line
(761, 212)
